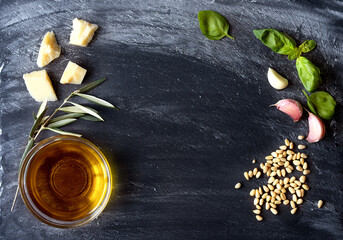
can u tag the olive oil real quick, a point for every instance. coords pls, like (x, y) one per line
(66, 180)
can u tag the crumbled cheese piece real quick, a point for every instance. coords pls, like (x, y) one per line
(82, 32)
(73, 74)
(49, 50)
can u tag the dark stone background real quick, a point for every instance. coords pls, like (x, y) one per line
(194, 113)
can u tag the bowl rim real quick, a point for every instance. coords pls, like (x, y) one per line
(27, 199)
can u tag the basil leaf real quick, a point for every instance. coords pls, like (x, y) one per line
(294, 54)
(309, 74)
(213, 25)
(323, 103)
(277, 41)
(308, 45)
(309, 104)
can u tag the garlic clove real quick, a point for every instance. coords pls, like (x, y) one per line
(291, 107)
(276, 80)
(316, 128)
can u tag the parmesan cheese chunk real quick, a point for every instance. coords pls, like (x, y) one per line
(39, 86)
(73, 74)
(82, 32)
(49, 50)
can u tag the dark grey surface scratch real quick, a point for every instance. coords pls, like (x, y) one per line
(194, 113)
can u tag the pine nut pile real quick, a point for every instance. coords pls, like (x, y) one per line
(280, 189)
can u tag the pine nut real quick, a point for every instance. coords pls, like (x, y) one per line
(279, 150)
(250, 174)
(299, 168)
(283, 172)
(293, 204)
(298, 155)
(278, 186)
(286, 142)
(294, 185)
(274, 168)
(267, 165)
(270, 187)
(301, 137)
(238, 185)
(303, 155)
(302, 161)
(254, 171)
(301, 147)
(252, 192)
(300, 201)
(269, 157)
(320, 203)
(286, 202)
(272, 205)
(273, 174)
(261, 165)
(277, 191)
(257, 194)
(283, 147)
(261, 201)
(289, 157)
(294, 198)
(267, 206)
(294, 157)
(259, 218)
(305, 165)
(298, 192)
(306, 172)
(265, 188)
(290, 167)
(268, 198)
(271, 179)
(286, 186)
(254, 161)
(260, 190)
(256, 211)
(281, 182)
(291, 145)
(293, 210)
(292, 179)
(279, 173)
(302, 179)
(256, 200)
(264, 196)
(305, 186)
(278, 198)
(284, 154)
(265, 169)
(286, 180)
(276, 181)
(296, 162)
(272, 200)
(274, 154)
(283, 190)
(258, 174)
(277, 202)
(283, 196)
(290, 152)
(258, 207)
(302, 192)
(291, 190)
(246, 175)
(274, 211)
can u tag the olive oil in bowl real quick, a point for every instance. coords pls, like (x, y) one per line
(65, 181)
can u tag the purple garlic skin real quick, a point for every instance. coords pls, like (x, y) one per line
(316, 130)
(291, 107)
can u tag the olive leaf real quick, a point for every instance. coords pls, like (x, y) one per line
(309, 74)
(213, 25)
(66, 116)
(73, 109)
(277, 41)
(87, 110)
(28, 147)
(61, 123)
(42, 108)
(96, 100)
(322, 104)
(307, 46)
(56, 130)
(37, 122)
(91, 85)
(90, 118)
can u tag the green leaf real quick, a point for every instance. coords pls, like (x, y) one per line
(73, 109)
(91, 85)
(308, 45)
(66, 116)
(41, 108)
(90, 118)
(97, 100)
(61, 123)
(37, 122)
(87, 110)
(28, 147)
(309, 104)
(309, 74)
(213, 25)
(59, 131)
(277, 41)
(323, 104)
(294, 54)
(34, 116)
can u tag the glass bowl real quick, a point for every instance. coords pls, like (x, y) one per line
(65, 181)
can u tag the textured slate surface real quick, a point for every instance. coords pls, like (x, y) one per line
(194, 113)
